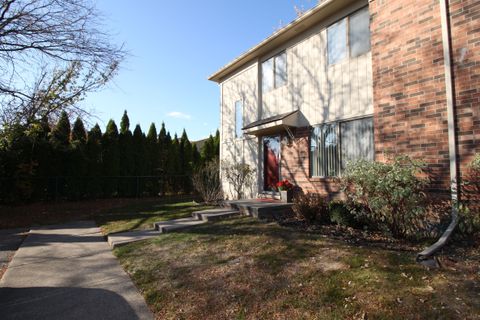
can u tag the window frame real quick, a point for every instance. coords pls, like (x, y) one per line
(274, 73)
(338, 152)
(348, 54)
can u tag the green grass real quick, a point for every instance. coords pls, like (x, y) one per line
(142, 216)
(246, 269)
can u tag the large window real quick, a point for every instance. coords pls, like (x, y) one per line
(358, 40)
(274, 72)
(238, 119)
(337, 41)
(333, 145)
(359, 33)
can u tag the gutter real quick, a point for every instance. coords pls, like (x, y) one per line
(452, 147)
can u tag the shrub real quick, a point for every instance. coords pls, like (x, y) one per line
(392, 193)
(340, 214)
(310, 207)
(239, 175)
(206, 180)
(469, 213)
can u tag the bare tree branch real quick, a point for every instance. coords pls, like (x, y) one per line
(51, 52)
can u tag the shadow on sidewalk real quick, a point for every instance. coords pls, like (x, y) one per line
(63, 303)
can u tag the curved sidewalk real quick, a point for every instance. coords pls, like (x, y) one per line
(68, 272)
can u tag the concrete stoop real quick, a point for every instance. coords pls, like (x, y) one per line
(198, 217)
(259, 208)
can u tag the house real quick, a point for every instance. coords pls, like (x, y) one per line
(354, 79)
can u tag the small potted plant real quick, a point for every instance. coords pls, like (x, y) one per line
(286, 190)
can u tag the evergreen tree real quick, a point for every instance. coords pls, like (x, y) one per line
(208, 149)
(60, 135)
(94, 162)
(216, 144)
(126, 157)
(78, 166)
(124, 123)
(139, 151)
(79, 135)
(111, 163)
(163, 149)
(152, 150)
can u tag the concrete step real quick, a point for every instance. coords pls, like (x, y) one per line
(166, 226)
(118, 239)
(259, 209)
(214, 214)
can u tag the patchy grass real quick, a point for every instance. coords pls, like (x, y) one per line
(44, 213)
(246, 269)
(142, 216)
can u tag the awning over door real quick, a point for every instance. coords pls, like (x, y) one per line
(275, 124)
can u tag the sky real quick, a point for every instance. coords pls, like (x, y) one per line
(173, 47)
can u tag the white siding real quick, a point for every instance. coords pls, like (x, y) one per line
(242, 86)
(323, 93)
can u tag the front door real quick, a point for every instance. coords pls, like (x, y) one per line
(271, 162)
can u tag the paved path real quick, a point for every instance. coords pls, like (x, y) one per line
(68, 272)
(10, 240)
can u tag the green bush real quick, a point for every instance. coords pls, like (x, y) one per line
(340, 214)
(469, 210)
(310, 207)
(391, 193)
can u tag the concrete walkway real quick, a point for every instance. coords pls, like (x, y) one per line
(68, 272)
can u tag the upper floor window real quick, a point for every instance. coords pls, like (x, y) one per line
(333, 145)
(274, 72)
(358, 40)
(238, 119)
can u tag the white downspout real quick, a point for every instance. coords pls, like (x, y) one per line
(452, 147)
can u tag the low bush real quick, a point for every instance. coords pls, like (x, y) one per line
(340, 214)
(390, 194)
(469, 213)
(206, 180)
(310, 207)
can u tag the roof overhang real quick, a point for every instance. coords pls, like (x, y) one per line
(309, 19)
(275, 124)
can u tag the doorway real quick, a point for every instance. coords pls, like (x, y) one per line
(271, 162)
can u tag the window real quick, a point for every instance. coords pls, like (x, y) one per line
(323, 151)
(359, 33)
(274, 72)
(357, 140)
(337, 41)
(332, 145)
(238, 119)
(358, 41)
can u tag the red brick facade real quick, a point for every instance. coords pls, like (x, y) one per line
(410, 115)
(465, 25)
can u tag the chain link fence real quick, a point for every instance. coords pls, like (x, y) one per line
(78, 188)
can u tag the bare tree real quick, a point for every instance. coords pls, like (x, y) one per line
(238, 175)
(206, 181)
(51, 53)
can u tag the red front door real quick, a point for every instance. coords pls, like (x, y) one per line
(271, 162)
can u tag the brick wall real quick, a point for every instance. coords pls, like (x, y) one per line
(410, 115)
(409, 85)
(295, 166)
(465, 31)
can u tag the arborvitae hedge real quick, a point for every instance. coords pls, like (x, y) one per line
(45, 162)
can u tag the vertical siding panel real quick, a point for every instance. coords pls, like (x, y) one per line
(363, 91)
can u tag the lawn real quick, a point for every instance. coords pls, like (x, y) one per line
(142, 216)
(243, 268)
(113, 215)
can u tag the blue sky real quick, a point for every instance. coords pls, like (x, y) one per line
(174, 46)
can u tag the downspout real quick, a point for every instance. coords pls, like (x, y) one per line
(452, 147)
